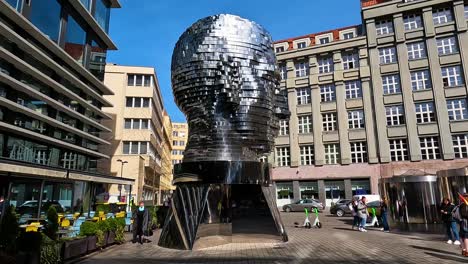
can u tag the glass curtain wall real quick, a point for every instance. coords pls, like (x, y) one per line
(46, 15)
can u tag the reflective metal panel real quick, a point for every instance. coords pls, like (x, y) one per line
(225, 80)
(413, 199)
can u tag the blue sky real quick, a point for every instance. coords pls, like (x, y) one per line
(146, 31)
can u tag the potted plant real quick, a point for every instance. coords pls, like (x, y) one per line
(74, 247)
(50, 251)
(9, 230)
(120, 231)
(52, 223)
(112, 224)
(29, 247)
(89, 230)
(102, 233)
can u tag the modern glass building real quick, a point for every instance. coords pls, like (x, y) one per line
(52, 61)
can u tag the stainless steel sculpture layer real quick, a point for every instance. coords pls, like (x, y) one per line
(224, 79)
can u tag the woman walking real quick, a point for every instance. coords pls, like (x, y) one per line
(384, 214)
(140, 223)
(450, 223)
(463, 215)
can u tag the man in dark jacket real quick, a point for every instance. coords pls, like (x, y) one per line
(141, 227)
(451, 225)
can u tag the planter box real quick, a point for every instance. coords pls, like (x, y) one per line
(111, 238)
(106, 236)
(74, 248)
(92, 241)
(28, 257)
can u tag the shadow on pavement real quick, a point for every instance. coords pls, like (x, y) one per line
(433, 250)
(192, 260)
(451, 258)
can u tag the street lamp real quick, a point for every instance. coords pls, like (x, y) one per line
(123, 162)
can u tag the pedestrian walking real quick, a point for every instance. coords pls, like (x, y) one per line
(446, 210)
(362, 213)
(462, 216)
(354, 211)
(384, 214)
(141, 227)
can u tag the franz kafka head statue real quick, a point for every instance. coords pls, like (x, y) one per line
(224, 79)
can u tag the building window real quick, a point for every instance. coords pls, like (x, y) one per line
(332, 154)
(283, 127)
(446, 46)
(135, 147)
(175, 133)
(412, 21)
(303, 96)
(181, 143)
(349, 35)
(425, 113)
(356, 119)
(353, 89)
(395, 115)
(140, 80)
(283, 72)
(138, 102)
(460, 146)
(457, 109)
(284, 190)
(46, 16)
(358, 152)
(133, 123)
(282, 156)
(391, 84)
(416, 50)
(175, 143)
(302, 69)
(301, 45)
(350, 60)
(309, 190)
(398, 149)
(279, 49)
(324, 40)
(387, 55)
(442, 15)
(329, 121)
(304, 124)
(327, 93)
(325, 64)
(451, 76)
(430, 148)
(384, 27)
(421, 80)
(307, 155)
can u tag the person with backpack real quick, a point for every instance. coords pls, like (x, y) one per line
(362, 213)
(461, 214)
(353, 207)
(446, 210)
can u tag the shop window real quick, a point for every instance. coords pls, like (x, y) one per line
(360, 187)
(284, 190)
(309, 190)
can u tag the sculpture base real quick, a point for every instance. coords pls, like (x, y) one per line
(204, 215)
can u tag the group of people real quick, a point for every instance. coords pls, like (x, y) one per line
(360, 214)
(455, 218)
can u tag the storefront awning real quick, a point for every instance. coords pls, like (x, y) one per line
(98, 178)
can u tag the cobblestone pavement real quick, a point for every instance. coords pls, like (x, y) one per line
(334, 243)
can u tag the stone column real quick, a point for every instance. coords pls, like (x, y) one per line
(321, 191)
(296, 191)
(348, 189)
(406, 89)
(293, 121)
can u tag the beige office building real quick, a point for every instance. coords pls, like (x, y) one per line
(139, 135)
(179, 141)
(166, 178)
(370, 103)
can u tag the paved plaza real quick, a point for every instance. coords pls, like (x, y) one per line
(334, 243)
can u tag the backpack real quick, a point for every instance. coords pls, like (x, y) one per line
(456, 213)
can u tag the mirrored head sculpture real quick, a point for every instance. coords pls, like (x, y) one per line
(225, 80)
